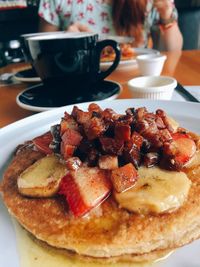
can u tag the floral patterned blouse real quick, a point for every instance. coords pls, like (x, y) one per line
(96, 14)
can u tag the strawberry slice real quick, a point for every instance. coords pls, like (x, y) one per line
(71, 137)
(85, 189)
(185, 147)
(42, 143)
(68, 122)
(178, 152)
(124, 177)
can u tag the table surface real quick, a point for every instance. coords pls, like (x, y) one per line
(183, 66)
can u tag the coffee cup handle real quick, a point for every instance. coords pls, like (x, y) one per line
(100, 46)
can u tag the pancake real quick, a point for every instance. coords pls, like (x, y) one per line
(154, 256)
(107, 232)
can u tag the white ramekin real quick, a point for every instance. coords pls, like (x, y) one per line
(151, 64)
(152, 87)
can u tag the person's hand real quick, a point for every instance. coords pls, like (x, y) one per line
(165, 8)
(78, 27)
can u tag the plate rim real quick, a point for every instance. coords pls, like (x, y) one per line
(48, 118)
(130, 61)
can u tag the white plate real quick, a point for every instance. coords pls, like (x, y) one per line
(132, 62)
(187, 113)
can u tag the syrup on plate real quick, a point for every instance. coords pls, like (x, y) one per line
(31, 254)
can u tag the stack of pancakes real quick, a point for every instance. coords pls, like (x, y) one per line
(108, 233)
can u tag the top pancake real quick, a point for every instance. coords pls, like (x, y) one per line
(107, 231)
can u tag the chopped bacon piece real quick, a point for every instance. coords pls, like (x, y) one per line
(85, 189)
(132, 149)
(68, 122)
(131, 153)
(153, 127)
(66, 150)
(74, 112)
(125, 119)
(137, 140)
(130, 111)
(63, 126)
(160, 113)
(150, 131)
(108, 162)
(111, 145)
(94, 128)
(150, 117)
(71, 137)
(42, 143)
(110, 115)
(165, 135)
(122, 132)
(142, 126)
(155, 136)
(124, 177)
(81, 116)
(94, 108)
(140, 112)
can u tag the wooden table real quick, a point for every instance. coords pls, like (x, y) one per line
(184, 66)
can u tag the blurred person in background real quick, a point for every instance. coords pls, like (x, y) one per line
(150, 22)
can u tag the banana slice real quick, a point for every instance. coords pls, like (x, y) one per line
(42, 178)
(156, 191)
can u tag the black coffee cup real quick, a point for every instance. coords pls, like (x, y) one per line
(25, 46)
(70, 60)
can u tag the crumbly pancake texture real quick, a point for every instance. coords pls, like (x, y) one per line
(107, 231)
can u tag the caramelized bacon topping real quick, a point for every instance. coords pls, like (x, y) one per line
(137, 137)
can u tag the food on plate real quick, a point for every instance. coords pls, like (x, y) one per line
(108, 187)
(153, 191)
(127, 53)
(42, 178)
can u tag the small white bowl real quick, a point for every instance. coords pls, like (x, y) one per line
(151, 64)
(152, 87)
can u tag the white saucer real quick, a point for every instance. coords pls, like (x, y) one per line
(28, 75)
(39, 98)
